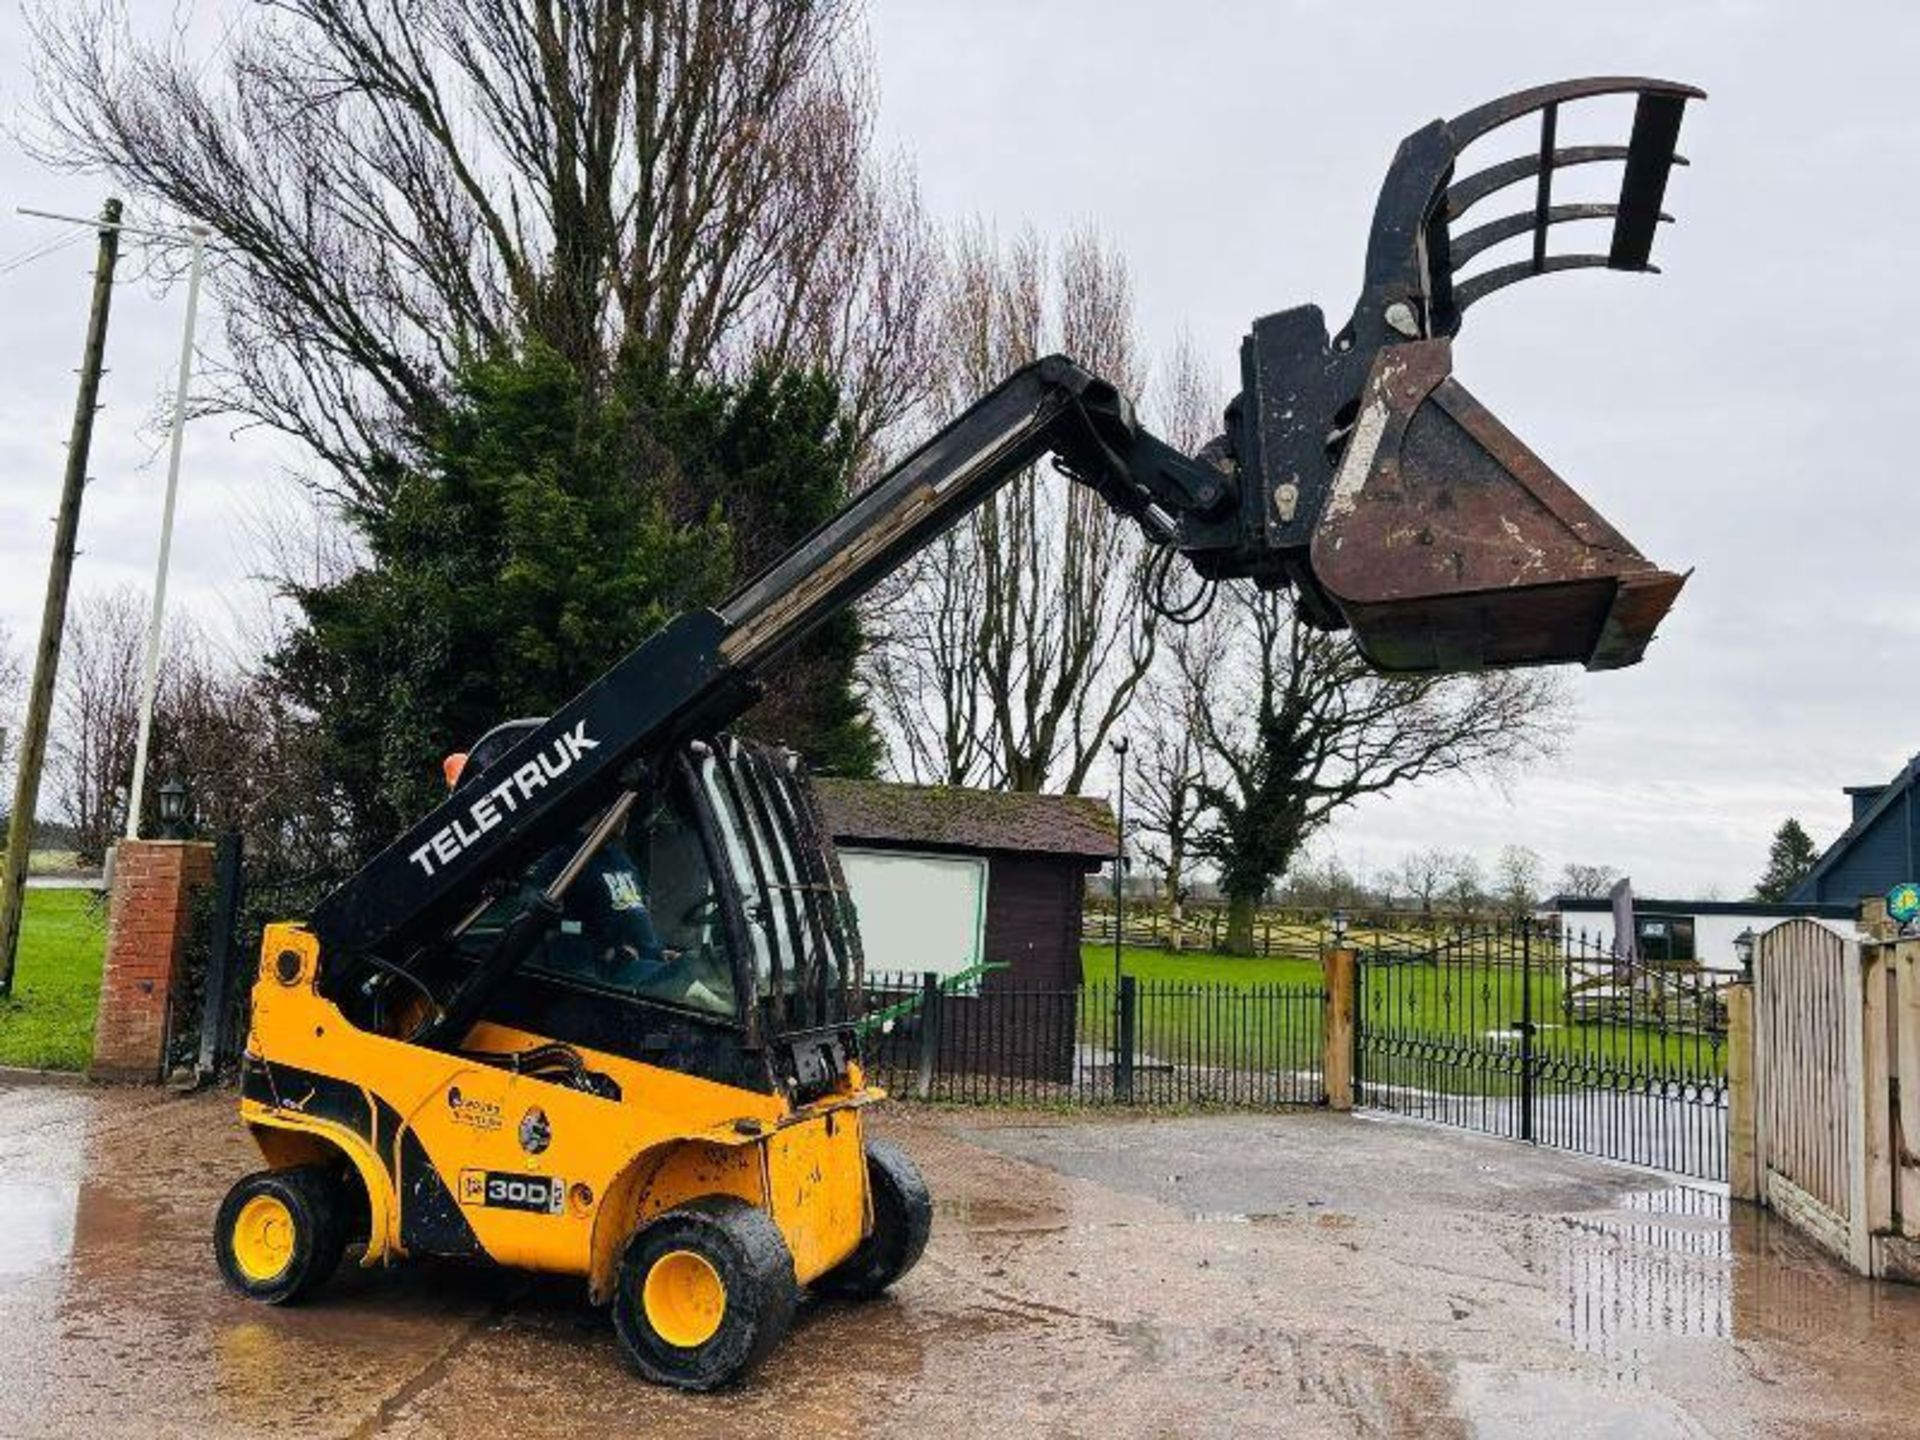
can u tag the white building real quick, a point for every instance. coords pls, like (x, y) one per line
(1701, 930)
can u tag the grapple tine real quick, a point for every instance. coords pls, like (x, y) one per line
(1465, 193)
(1478, 287)
(1467, 246)
(1470, 125)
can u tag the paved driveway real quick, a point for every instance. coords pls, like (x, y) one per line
(1298, 1274)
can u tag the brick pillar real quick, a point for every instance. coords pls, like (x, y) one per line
(147, 926)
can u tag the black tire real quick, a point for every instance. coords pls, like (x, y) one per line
(301, 1214)
(743, 1250)
(902, 1221)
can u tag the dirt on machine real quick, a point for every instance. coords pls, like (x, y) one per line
(600, 1013)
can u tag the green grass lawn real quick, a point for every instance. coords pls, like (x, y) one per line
(1466, 1008)
(1152, 966)
(1208, 1010)
(47, 1022)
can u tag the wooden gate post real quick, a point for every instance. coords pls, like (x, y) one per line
(1743, 1172)
(1336, 1030)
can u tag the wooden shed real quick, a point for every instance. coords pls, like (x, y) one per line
(946, 877)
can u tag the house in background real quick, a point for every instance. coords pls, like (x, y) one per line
(1877, 851)
(1688, 930)
(945, 878)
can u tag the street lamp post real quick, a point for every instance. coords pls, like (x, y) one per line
(1120, 867)
(198, 236)
(1743, 951)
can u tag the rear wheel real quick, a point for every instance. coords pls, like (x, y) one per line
(705, 1292)
(902, 1221)
(279, 1233)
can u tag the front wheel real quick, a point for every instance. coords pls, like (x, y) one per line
(902, 1221)
(705, 1292)
(280, 1233)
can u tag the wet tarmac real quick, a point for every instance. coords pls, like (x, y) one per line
(1293, 1274)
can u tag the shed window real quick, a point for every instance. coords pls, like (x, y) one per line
(918, 912)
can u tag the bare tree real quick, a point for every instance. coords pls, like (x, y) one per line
(1588, 882)
(97, 716)
(1301, 727)
(1423, 875)
(1519, 876)
(1464, 887)
(393, 184)
(13, 694)
(1171, 764)
(1008, 653)
(1321, 882)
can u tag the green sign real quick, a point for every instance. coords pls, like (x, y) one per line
(1903, 902)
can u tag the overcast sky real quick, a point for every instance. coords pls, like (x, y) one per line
(1745, 414)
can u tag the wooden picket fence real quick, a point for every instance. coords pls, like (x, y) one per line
(1835, 1110)
(1291, 934)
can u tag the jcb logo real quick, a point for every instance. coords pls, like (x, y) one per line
(537, 1194)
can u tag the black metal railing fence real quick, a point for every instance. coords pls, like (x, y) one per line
(1137, 1042)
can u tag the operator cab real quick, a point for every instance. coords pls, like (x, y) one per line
(709, 933)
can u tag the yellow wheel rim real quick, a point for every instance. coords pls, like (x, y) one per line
(685, 1299)
(263, 1239)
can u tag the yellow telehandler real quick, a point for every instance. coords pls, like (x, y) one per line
(598, 1013)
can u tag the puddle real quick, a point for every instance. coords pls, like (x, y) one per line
(36, 1225)
(1659, 1267)
(973, 1212)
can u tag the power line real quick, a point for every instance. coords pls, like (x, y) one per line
(41, 251)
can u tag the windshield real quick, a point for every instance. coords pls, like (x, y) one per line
(642, 919)
(775, 846)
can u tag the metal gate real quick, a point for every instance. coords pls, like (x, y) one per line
(1543, 1035)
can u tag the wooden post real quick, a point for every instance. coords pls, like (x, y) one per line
(1336, 1031)
(1876, 1074)
(53, 616)
(1743, 1151)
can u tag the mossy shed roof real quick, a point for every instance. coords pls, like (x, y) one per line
(949, 817)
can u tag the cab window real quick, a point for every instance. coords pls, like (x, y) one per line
(642, 919)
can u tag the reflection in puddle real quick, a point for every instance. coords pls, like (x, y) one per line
(1661, 1267)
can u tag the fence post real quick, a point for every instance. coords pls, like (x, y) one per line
(1526, 1028)
(217, 986)
(1743, 1174)
(1336, 1029)
(1123, 1061)
(929, 1033)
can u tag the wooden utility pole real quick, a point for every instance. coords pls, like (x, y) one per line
(53, 619)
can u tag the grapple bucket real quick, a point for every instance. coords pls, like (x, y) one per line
(1449, 545)
(1376, 486)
